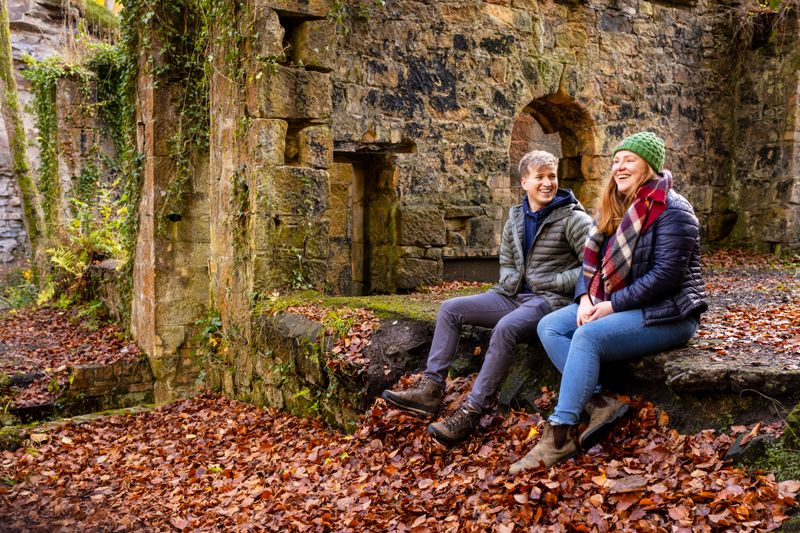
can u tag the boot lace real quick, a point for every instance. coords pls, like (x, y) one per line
(422, 383)
(461, 417)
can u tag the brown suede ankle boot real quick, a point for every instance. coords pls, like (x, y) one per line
(425, 398)
(603, 413)
(557, 444)
(458, 426)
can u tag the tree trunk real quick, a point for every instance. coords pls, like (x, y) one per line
(12, 117)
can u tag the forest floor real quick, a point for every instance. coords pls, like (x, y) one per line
(212, 463)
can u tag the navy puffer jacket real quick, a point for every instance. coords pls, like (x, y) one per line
(665, 279)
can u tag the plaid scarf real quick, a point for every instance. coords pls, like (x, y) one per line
(616, 263)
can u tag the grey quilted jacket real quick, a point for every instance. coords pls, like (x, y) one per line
(555, 259)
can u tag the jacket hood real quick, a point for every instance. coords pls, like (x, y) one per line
(563, 197)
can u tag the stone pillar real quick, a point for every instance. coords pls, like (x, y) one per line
(290, 146)
(171, 256)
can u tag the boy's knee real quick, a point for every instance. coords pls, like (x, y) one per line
(508, 331)
(448, 306)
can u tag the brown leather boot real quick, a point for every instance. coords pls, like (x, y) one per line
(458, 426)
(557, 444)
(425, 398)
(603, 412)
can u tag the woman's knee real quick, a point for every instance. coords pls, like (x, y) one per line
(585, 341)
(560, 322)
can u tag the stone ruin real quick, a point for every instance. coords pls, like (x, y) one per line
(378, 154)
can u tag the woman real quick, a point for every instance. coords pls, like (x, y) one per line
(641, 292)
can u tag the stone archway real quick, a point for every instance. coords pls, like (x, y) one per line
(560, 125)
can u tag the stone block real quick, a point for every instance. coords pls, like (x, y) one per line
(298, 191)
(160, 116)
(411, 251)
(314, 8)
(243, 371)
(266, 141)
(339, 276)
(314, 44)
(167, 340)
(480, 231)
(269, 42)
(337, 213)
(412, 273)
(315, 146)
(421, 226)
(463, 211)
(140, 387)
(179, 311)
(433, 253)
(266, 276)
(191, 229)
(164, 367)
(289, 93)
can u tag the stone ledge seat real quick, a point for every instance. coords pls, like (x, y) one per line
(696, 391)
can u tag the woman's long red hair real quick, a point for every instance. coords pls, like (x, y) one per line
(612, 204)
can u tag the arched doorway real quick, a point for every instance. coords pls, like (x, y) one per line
(560, 125)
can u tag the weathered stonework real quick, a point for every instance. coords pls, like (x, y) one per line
(92, 388)
(36, 29)
(362, 161)
(171, 258)
(82, 146)
(459, 82)
(313, 44)
(316, 8)
(289, 93)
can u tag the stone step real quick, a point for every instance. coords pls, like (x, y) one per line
(91, 388)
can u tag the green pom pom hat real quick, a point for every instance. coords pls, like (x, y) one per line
(646, 145)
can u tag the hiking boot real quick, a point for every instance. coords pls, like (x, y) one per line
(601, 418)
(547, 450)
(458, 426)
(425, 398)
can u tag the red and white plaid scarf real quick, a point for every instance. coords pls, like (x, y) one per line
(650, 202)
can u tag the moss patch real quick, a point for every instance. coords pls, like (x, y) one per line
(414, 306)
(100, 18)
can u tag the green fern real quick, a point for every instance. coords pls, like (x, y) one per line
(67, 260)
(46, 294)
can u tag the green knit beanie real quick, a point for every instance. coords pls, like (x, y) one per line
(646, 145)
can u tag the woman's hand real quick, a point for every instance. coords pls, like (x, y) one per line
(600, 310)
(584, 310)
(588, 312)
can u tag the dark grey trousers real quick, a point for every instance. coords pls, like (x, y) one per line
(514, 320)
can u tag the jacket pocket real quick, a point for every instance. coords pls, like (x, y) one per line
(509, 282)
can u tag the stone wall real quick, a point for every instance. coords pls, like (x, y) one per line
(36, 28)
(455, 79)
(463, 82)
(361, 156)
(764, 150)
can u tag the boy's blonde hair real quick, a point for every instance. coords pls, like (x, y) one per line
(535, 159)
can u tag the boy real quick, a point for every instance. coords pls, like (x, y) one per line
(541, 254)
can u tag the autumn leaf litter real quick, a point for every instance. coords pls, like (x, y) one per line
(212, 463)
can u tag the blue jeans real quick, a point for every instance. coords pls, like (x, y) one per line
(578, 352)
(514, 320)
